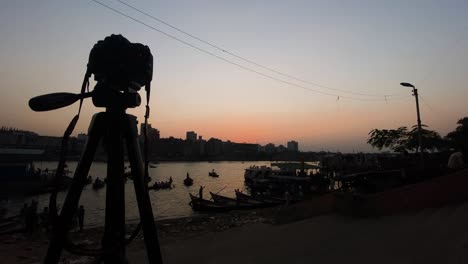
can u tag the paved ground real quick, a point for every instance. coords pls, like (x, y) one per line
(428, 236)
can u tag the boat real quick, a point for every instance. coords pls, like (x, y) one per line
(283, 176)
(256, 173)
(98, 184)
(266, 199)
(204, 205)
(153, 166)
(228, 200)
(239, 203)
(213, 173)
(188, 181)
(162, 185)
(20, 177)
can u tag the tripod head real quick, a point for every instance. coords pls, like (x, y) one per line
(120, 68)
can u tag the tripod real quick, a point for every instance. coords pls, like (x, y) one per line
(114, 127)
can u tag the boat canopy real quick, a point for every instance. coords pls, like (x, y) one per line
(295, 166)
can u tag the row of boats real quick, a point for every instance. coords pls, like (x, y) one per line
(271, 187)
(220, 203)
(188, 181)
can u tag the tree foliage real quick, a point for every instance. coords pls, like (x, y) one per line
(402, 139)
(459, 137)
(393, 139)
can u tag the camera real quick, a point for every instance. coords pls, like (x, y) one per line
(120, 69)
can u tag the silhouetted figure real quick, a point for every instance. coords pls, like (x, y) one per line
(287, 197)
(200, 192)
(81, 213)
(455, 161)
(31, 217)
(23, 214)
(44, 217)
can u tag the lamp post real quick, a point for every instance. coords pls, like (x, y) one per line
(415, 94)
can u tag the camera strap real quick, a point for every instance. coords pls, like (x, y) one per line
(147, 112)
(59, 173)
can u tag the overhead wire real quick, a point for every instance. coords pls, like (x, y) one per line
(242, 66)
(249, 60)
(426, 104)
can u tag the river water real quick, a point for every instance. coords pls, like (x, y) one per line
(171, 203)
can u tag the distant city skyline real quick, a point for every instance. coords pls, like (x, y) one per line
(342, 53)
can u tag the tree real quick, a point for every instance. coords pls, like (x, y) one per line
(459, 137)
(402, 139)
(393, 139)
(431, 140)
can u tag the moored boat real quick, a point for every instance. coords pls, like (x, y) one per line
(245, 197)
(204, 205)
(240, 204)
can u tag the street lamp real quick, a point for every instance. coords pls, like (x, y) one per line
(415, 94)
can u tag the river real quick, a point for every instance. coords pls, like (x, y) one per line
(171, 203)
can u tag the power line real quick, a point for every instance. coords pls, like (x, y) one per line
(426, 104)
(238, 65)
(250, 61)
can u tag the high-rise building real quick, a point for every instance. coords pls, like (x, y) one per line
(293, 146)
(191, 136)
(152, 133)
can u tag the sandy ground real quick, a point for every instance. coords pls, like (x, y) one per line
(428, 236)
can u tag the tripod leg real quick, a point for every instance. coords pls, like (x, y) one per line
(114, 234)
(141, 192)
(64, 220)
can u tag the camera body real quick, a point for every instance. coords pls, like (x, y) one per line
(120, 69)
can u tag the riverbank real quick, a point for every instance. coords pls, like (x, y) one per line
(427, 236)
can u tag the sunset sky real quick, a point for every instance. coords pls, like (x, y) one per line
(356, 48)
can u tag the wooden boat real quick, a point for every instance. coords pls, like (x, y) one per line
(188, 181)
(245, 197)
(98, 184)
(162, 185)
(240, 204)
(203, 205)
(213, 174)
(213, 206)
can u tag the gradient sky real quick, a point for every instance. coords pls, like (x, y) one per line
(360, 46)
